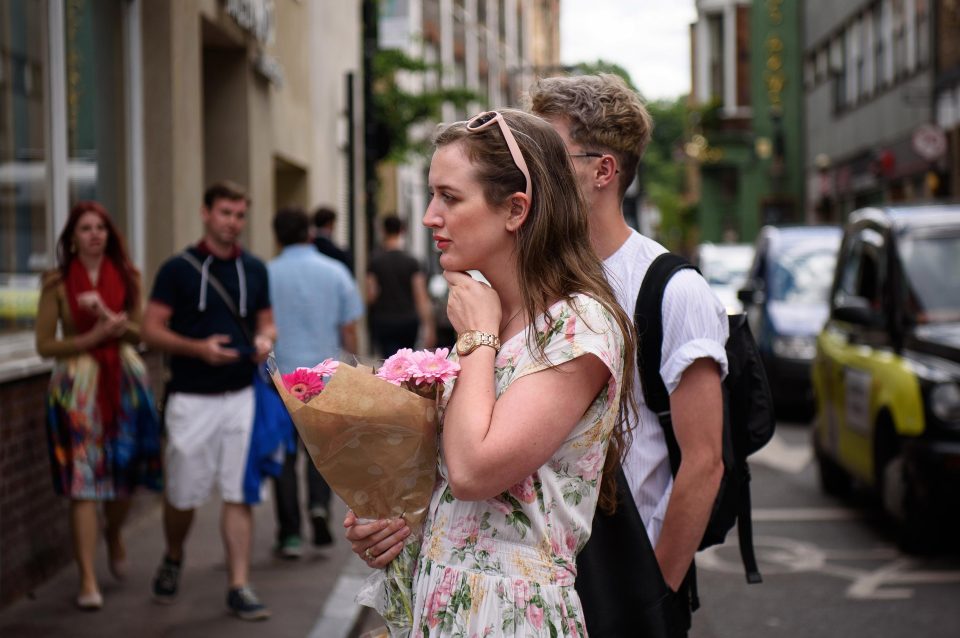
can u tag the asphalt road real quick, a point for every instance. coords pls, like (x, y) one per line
(831, 567)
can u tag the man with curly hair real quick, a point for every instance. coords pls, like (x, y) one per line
(606, 127)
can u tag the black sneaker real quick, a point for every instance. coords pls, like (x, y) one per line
(166, 581)
(245, 605)
(321, 532)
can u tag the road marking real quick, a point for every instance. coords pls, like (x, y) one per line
(789, 556)
(780, 455)
(803, 514)
(340, 611)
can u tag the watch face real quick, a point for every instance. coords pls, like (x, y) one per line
(465, 342)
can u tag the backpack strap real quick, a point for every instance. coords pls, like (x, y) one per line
(648, 320)
(745, 534)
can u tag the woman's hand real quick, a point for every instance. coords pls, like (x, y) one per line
(472, 305)
(115, 325)
(378, 542)
(106, 328)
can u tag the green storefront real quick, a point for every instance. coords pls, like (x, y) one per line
(751, 163)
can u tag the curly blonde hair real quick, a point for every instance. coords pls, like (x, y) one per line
(604, 114)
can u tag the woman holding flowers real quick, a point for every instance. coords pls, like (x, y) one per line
(545, 357)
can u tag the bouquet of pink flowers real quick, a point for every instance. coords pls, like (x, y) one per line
(373, 437)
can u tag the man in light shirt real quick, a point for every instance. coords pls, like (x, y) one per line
(606, 128)
(316, 306)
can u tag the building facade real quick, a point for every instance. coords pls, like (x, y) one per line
(494, 48)
(746, 93)
(140, 105)
(869, 78)
(947, 91)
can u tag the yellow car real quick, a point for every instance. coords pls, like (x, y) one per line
(886, 374)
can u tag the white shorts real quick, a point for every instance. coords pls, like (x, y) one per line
(208, 439)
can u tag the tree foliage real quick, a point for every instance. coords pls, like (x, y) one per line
(663, 173)
(395, 111)
(602, 66)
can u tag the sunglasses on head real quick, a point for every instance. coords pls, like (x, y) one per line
(485, 120)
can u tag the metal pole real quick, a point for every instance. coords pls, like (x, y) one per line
(369, 128)
(57, 145)
(133, 72)
(351, 162)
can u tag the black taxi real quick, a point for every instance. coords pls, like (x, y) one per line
(886, 373)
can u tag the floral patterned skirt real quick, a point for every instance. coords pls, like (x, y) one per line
(87, 461)
(464, 598)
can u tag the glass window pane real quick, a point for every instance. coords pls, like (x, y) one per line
(23, 169)
(95, 104)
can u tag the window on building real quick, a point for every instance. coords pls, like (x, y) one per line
(823, 64)
(95, 162)
(715, 56)
(924, 34)
(838, 67)
(899, 41)
(24, 243)
(879, 50)
(95, 104)
(866, 55)
(858, 91)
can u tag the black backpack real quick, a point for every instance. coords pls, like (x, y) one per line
(748, 420)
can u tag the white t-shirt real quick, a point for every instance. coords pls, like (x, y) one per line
(694, 327)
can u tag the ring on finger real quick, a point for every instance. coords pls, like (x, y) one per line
(368, 555)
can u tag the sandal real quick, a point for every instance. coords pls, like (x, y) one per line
(89, 602)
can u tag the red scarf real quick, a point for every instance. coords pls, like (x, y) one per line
(113, 291)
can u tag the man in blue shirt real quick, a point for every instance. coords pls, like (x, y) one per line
(316, 306)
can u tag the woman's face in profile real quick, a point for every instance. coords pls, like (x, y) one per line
(466, 230)
(90, 235)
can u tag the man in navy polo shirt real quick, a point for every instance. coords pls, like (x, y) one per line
(210, 399)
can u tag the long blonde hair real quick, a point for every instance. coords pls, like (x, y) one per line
(554, 257)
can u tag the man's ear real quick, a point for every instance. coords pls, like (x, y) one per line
(607, 171)
(519, 208)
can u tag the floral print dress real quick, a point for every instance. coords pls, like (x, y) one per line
(506, 566)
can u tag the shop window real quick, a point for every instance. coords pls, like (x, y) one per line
(24, 249)
(92, 45)
(95, 98)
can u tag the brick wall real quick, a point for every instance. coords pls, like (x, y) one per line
(34, 522)
(34, 527)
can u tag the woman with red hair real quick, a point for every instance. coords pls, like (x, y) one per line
(103, 430)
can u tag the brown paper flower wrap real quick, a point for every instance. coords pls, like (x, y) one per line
(376, 446)
(373, 442)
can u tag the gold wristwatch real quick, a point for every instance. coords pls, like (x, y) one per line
(472, 339)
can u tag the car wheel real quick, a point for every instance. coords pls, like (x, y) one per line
(904, 500)
(834, 480)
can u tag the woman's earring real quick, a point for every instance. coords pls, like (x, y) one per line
(73, 246)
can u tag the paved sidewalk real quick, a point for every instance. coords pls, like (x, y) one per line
(312, 597)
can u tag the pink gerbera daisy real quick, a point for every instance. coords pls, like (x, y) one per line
(396, 369)
(325, 368)
(432, 367)
(303, 383)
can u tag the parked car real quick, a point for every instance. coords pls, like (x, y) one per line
(785, 297)
(887, 369)
(725, 268)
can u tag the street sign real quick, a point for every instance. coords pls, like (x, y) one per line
(929, 142)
